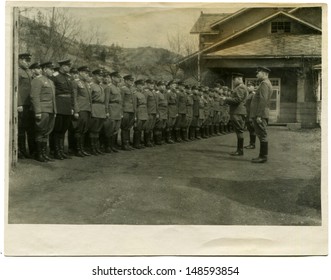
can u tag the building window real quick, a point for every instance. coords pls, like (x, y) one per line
(280, 27)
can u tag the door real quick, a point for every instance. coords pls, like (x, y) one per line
(274, 104)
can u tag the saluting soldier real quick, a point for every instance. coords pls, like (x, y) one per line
(64, 107)
(141, 114)
(99, 111)
(161, 121)
(82, 109)
(44, 107)
(188, 130)
(249, 120)
(172, 111)
(128, 111)
(238, 110)
(152, 108)
(259, 112)
(25, 115)
(115, 110)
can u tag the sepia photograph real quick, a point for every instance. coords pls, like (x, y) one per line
(166, 129)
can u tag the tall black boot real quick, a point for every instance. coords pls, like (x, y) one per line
(168, 137)
(39, 154)
(252, 141)
(82, 146)
(64, 155)
(113, 143)
(93, 146)
(57, 147)
(78, 147)
(44, 152)
(22, 152)
(184, 135)
(240, 148)
(207, 131)
(124, 141)
(263, 157)
(136, 139)
(197, 133)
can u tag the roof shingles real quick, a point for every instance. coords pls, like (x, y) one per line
(204, 22)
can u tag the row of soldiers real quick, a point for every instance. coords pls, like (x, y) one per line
(93, 106)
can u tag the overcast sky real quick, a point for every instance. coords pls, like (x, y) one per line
(141, 26)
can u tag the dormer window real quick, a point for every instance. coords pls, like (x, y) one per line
(281, 27)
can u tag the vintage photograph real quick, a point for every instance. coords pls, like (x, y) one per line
(156, 116)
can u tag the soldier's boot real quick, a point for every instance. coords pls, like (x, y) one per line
(147, 139)
(177, 136)
(157, 137)
(136, 139)
(222, 129)
(32, 146)
(78, 147)
(108, 143)
(240, 148)
(39, 154)
(183, 134)
(168, 139)
(64, 155)
(44, 152)
(113, 143)
(130, 144)
(197, 133)
(97, 146)
(163, 136)
(57, 148)
(263, 156)
(230, 127)
(206, 131)
(252, 141)
(124, 141)
(191, 134)
(82, 146)
(93, 143)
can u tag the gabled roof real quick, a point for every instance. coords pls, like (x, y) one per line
(228, 17)
(248, 28)
(204, 22)
(276, 45)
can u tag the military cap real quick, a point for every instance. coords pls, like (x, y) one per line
(160, 83)
(74, 70)
(128, 77)
(250, 83)
(149, 81)
(97, 72)
(171, 82)
(263, 69)
(139, 82)
(35, 65)
(65, 62)
(235, 75)
(83, 69)
(115, 74)
(47, 64)
(26, 56)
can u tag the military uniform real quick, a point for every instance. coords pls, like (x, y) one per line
(188, 131)
(82, 107)
(25, 114)
(64, 107)
(161, 122)
(172, 114)
(128, 113)
(152, 108)
(211, 113)
(195, 108)
(206, 109)
(141, 115)
(217, 113)
(181, 118)
(259, 112)
(43, 104)
(249, 122)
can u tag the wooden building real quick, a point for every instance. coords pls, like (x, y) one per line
(286, 40)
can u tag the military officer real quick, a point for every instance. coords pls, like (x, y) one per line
(259, 111)
(172, 110)
(161, 121)
(99, 111)
(141, 114)
(181, 118)
(82, 109)
(128, 111)
(43, 106)
(25, 115)
(188, 131)
(249, 121)
(64, 107)
(152, 109)
(238, 110)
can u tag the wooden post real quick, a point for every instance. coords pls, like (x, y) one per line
(14, 91)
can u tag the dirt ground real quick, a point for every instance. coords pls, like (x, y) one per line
(187, 183)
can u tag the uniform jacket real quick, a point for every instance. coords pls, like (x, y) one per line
(43, 95)
(201, 108)
(127, 99)
(211, 106)
(82, 96)
(248, 102)
(217, 106)
(151, 101)
(172, 103)
(260, 101)
(181, 97)
(24, 87)
(195, 105)
(141, 105)
(206, 106)
(162, 105)
(189, 105)
(99, 101)
(115, 104)
(237, 100)
(63, 93)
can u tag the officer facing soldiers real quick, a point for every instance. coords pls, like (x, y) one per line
(238, 110)
(259, 112)
(249, 121)
(25, 115)
(128, 111)
(161, 121)
(64, 107)
(82, 109)
(141, 114)
(44, 107)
